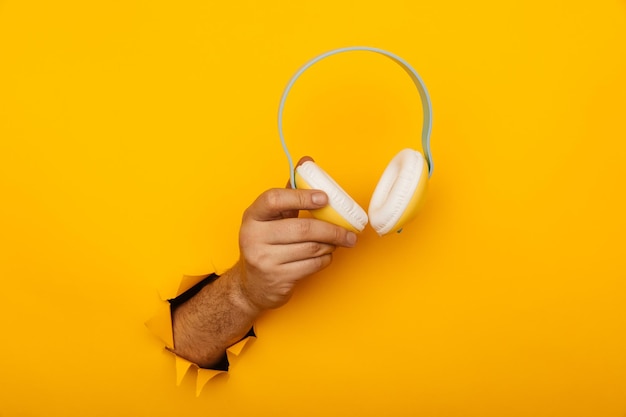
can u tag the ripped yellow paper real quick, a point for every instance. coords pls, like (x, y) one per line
(134, 134)
(161, 326)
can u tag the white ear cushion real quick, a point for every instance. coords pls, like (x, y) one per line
(395, 189)
(338, 199)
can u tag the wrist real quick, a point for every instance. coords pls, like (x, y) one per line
(242, 294)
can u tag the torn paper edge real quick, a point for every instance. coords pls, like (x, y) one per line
(160, 324)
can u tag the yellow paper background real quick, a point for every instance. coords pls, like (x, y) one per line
(133, 134)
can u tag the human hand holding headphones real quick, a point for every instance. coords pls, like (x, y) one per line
(400, 192)
(278, 249)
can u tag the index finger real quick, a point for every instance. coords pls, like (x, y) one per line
(290, 231)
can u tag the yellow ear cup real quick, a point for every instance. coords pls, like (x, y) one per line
(399, 193)
(341, 210)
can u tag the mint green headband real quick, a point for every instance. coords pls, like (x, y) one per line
(421, 88)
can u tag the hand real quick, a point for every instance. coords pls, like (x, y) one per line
(278, 249)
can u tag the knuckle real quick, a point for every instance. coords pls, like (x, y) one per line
(315, 248)
(303, 198)
(283, 291)
(258, 258)
(244, 241)
(303, 228)
(325, 260)
(246, 214)
(252, 258)
(339, 235)
(264, 262)
(271, 198)
(319, 262)
(248, 235)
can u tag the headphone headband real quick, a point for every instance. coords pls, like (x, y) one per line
(421, 88)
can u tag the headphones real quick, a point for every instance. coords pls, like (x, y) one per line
(400, 191)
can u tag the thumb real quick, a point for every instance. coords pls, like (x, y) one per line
(279, 203)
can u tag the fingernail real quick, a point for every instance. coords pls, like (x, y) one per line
(319, 199)
(351, 238)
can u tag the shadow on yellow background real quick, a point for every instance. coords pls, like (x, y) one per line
(133, 134)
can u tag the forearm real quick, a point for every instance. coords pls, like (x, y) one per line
(215, 318)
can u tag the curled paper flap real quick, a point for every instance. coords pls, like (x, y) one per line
(173, 288)
(219, 268)
(182, 366)
(204, 376)
(236, 349)
(161, 324)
